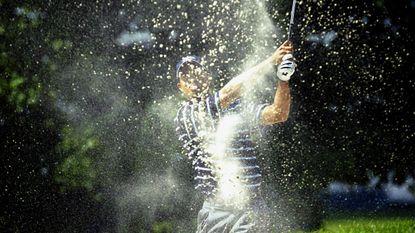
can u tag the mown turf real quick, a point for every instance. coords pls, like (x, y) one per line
(369, 225)
(396, 221)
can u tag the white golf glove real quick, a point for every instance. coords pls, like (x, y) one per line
(286, 68)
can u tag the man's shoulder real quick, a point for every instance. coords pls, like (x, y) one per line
(183, 111)
(179, 112)
(235, 104)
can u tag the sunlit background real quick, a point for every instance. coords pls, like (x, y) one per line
(88, 96)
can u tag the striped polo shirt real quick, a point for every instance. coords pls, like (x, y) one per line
(219, 143)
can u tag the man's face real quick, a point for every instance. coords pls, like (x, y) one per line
(194, 80)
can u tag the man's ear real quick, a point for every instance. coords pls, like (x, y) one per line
(179, 85)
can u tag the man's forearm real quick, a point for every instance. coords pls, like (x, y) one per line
(280, 109)
(235, 88)
(282, 100)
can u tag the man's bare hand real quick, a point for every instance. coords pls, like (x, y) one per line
(285, 48)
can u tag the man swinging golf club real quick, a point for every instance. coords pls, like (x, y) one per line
(197, 124)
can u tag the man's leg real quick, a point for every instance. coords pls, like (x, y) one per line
(202, 218)
(213, 219)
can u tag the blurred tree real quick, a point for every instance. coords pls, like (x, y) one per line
(76, 171)
(31, 128)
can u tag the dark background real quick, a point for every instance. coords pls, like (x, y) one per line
(87, 143)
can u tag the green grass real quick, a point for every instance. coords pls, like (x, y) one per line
(163, 227)
(402, 221)
(369, 225)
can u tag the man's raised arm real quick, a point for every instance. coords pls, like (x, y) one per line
(280, 109)
(235, 87)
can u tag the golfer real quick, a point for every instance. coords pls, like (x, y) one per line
(198, 124)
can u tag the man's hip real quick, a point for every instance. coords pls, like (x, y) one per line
(214, 218)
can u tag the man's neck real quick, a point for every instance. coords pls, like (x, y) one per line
(198, 98)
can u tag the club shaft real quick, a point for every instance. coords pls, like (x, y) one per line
(291, 19)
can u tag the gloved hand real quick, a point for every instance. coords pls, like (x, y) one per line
(286, 68)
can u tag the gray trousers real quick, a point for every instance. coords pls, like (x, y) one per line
(214, 218)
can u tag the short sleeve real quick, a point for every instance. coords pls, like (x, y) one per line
(258, 113)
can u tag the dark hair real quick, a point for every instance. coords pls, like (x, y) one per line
(187, 67)
(185, 60)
